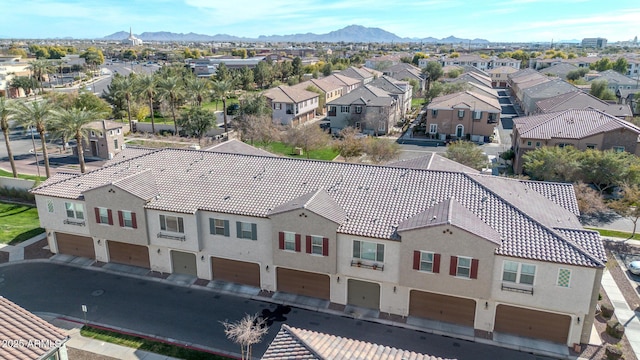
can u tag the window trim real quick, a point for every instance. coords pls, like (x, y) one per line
(454, 267)
(123, 222)
(289, 241)
(240, 233)
(419, 260)
(214, 228)
(379, 253)
(518, 279)
(311, 245)
(179, 224)
(104, 216)
(71, 206)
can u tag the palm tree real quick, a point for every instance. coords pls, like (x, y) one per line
(146, 86)
(70, 123)
(197, 90)
(221, 90)
(124, 87)
(36, 115)
(39, 68)
(171, 89)
(5, 115)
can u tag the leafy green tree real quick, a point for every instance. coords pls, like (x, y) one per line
(123, 88)
(88, 100)
(93, 56)
(72, 124)
(433, 71)
(5, 116)
(602, 65)
(241, 53)
(16, 51)
(574, 75)
(245, 78)
(629, 205)
(599, 89)
(223, 73)
(196, 121)
(26, 83)
(607, 169)
(417, 56)
(130, 54)
(553, 163)
(467, 153)
(452, 74)
(381, 150)
(36, 115)
(171, 89)
(297, 66)
(621, 66)
(255, 104)
(221, 90)
(147, 88)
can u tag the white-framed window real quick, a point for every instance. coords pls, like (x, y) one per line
(74, 210)
(127, 219)
(618, 149)
(332, 109)
(172, 223)
(518, 273)
(50, 206)
(382, 126)
(345, 109)
(528, 143)
(564, 278)
(277, 106)
(358, 109)
(289, 241)
(366, 250)
(110, 132)
(245, 230)
(93, 133)
(433, 128)
(461, 113)
(477, 115)
(434, 113)
(317, 245)
(426, 261)
(463, 268)
(218, 227)
(103, 215)
(119, 131)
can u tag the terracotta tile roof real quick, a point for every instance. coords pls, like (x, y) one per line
(375, 199)
(19, 326)
(235, 146)
(434, 161)
(294, 343)
(287, 94)
(466, 99)
(104, 125)
(367, 95)
(319, 202)
(580, 100)
(570, 124)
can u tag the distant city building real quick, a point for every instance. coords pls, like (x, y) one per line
(132, 40)
(598, 43)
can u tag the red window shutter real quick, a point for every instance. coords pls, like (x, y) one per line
(474, 268)
(436, 263)
(120, 218)
(134, 221)
(97, 211)
(110, 216)
(308, 244)
(325, 246)
(416, 260)
(298, 243)
(281, 240)
(453, 267)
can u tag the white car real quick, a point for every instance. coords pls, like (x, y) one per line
(634, 267)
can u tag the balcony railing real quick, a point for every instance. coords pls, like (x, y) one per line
(74, 222)
(523, 290)
(172, 237)
(367, 265)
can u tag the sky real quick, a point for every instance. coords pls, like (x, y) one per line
(493, 20)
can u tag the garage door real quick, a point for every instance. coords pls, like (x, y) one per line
(364, 294)
(128, 254)
(184, 263)
(445, 308)
(75, 245)
(240, 272)
(303, 283)
(532, 323)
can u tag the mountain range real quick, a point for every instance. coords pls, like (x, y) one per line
(350, 34)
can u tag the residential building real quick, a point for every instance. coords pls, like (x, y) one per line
(582, 129)
(383, 62)
(559, 70)
(406, 72)
(28, 337)
(521, 80)
(463, 115)
(363, 75)
(10, 67)
(499, 76)
(581, 100)
(491, 255)
(616, 81)
(628, 97)
(368, 108)
(105, 140)
(292, 106)
(597, 43)
(543, 90)
(401, 91)
(348, 84)
(473, 77)
(330, 91)
(476, 61)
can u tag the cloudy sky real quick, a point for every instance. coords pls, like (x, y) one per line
(494, 20)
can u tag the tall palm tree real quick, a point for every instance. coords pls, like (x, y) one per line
(124, 87)
(36, 115)
(39, 68)
(70, 123)
(171, 89)
(197, 90)
(5, 115)
(221, 90)
(146, 88)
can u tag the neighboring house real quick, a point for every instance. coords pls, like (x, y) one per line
(580, 100)
(406, 72)
(463, 115)
(28, 337)
(499, 76)
(434, 161)
(491, 255)
(523, 79)
(472, 77)
(560, 70)
(628, 97)
(294, 343)
(483, 90)
(348, 84)
(402, 91)
(616, 81)
(582, 129)
(543, 90)
(11, 67)
(105, 140)
(361, 74)
(292, 106)
(383, 62)
(330, 91)
(476, 61)
(368, 108)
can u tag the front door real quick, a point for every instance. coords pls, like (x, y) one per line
(459, 131)
(94, 148)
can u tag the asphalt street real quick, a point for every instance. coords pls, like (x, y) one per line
(193, 315)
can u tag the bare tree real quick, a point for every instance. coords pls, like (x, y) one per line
(629, 205)
(351, 145)
(246, 332)
(258, 128)
(380, 150)
(310, 137)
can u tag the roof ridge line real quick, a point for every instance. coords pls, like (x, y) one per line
(303, 342)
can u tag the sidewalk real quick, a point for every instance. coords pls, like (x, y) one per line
(626, 316)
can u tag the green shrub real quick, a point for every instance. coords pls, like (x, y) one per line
(613, 352)
(615, 329)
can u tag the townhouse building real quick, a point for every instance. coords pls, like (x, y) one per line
(401, 91)
(578, 99)
(488, 255)
(329, 90)
(368, 108)
(483, 63)
(291, 106)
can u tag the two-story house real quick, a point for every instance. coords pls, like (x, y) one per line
(363, 75)
(291, 106)
(616, 81)
(328, 90)
(499, 75)
(580, 128)
(580, 100)
(368, 108)
(543, 90)
(406, 72)
(492, 256)
(401, 91)
(105, 140)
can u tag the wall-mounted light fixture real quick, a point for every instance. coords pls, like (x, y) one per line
(99, 241)
(338, 279)
(394, 289)
(486, 305)
(202, 258)
(578, 320)
(267, 267)
(158, 251)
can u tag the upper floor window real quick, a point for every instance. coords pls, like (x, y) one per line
(460, 113)
(358, 109)
(462, 266)
(317, 245)
(345, 109)
(127, 219)
(218, 227)
(518, 273)
(426, 261)
(289, 241)
(50, 206)
(618, 149)
(171, 223)
(74, 210)
(434, 113)
(477, 115)
(368, 251)
(433, 128)
(246, 230)
(104, 216)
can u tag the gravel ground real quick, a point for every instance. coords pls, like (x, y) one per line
(76, 354)
(37, 251)
(4, 257)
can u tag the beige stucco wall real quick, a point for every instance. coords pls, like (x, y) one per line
(448, 120)
(191, 242)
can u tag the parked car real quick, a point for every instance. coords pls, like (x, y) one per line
(634, 267)
(233, 109)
